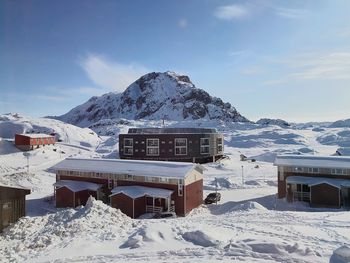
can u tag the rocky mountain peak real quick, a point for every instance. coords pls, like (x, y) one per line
(154, 96)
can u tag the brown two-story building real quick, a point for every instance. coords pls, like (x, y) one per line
(197, 145)
(322, 181)
(133, 186)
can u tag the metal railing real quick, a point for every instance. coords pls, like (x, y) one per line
(172, 209)
(301, 196)
(153, 209)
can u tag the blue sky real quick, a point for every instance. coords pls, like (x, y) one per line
(285, 59)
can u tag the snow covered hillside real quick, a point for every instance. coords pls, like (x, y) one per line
(248, 224)
(154, 96)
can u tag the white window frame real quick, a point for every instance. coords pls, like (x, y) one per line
(298, 169)
(152, 147)
(180, 189)
(180, 147)
(335, 171)
(313, 170)
(220, 144)
(204, 146)
(128, 147)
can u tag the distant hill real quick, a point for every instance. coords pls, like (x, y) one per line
(278, 122)
(340, 124)
(154, 96)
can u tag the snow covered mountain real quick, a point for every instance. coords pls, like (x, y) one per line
(154, 96)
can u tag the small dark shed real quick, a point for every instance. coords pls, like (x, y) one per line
(12, 204)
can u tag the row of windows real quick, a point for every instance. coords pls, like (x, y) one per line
(337, 171)
(152, 146)
(110, 176)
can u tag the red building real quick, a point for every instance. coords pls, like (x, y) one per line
(30, 141)
(133, 186)
(322, 181)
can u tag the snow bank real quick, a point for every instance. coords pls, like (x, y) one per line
(94, 221)
(221, 183)
(341, 255)
(200, 238)
(154, 236)
(229, 207)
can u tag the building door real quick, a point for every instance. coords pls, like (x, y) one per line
(345, 193)
(7, 214)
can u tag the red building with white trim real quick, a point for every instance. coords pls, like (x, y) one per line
(133, 186)
(30, 141)
(322, 181)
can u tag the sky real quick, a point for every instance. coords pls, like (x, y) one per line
(276, 59)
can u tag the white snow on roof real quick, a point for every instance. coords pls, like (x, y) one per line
(77, 186)
(130, 167)
(36, 135)
(15, 187)
(310, 181)
(313, 161)
(136, 191)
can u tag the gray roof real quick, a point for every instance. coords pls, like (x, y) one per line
(170, 130)
(313, 161)
(130, 167)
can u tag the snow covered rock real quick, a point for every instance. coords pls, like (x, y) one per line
(340, 124)
(341, 255)
(278, 122)
(154, 96)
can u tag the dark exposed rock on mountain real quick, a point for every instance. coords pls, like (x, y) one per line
(154, 96)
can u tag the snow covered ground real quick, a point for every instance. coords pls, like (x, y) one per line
(249, 224)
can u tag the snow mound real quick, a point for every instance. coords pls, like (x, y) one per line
(96, 221)
(341, 255)
(200, 238)
(152, 236)
(230, 207)
(250, 205)
(221, 183)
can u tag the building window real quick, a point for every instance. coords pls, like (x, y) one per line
(152, 147)
(205, 145)
(128, 146)
(219, 145)
(314, 170)
(298, 169)
(129, 177)
(163, 180)
(338, 171)
(180, 146)
(180, 187)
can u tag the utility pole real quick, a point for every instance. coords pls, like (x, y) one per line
(242, 177)
(26, 154)
(216, 191)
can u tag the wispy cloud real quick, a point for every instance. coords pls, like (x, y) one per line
(242, 11)
(344, 32)
(291, 13)
(232, 12)
(327, 66)
(109, 74)
(238, 53)
(182, 23)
